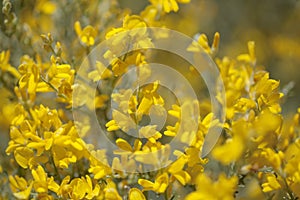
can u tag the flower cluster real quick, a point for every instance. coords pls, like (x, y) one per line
(50, 155)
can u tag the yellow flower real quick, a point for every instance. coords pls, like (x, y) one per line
(20, 187)
(136, 194)
(136, 30)
(159, 186)
(150, 133)
(46, 118)
(112, 125)
(65, 93)
(125, 146)
(294, 183)
(268, 157)
(52, 185)
(29, 78)
(267, 126)
(172, 130)
(62, 156)
(17, 139)
(57, 73)
(168, 5)
(64, 189)
(124, 164)
(126, 100)
(193, 157)
(5, 66)
(87, 35)
(23, 155)
(154, 154)
(151, 15)
(111, 192)
(203, 42)
(101, 72)
(244, 104)
(46, 7)
(92, 191)
(229, 152)
(267, 92)
(99, 166)
(129, 23)
(223, 189)
(83, 188)
(150, 97)
(271, 184)
(250, 57)
(40, 184)
(77, 186)
(7, 108)
(176, 111)
(120, 121)
(100, 101)
(176, 169)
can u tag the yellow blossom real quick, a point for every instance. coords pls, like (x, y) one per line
(268, 156)
(176, 169)
(101, 72)
(40, 184)
(125, 146)
(46, 7)
(223, 188)
(87, 35)
(136, 194)
(97, 168)
(111, 192)
(23, 156)
(202, 40)
(168, 5)
(150, 133)
(120, 121)
(229, 152)
(20, 187)
(129, 23)
(251, 57)
(29, 78)
(5, 66)
(160, 185)
(271, 184)
(234, 147)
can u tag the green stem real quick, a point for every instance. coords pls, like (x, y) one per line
(166, 194)
(53, 87)
(55, 168)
